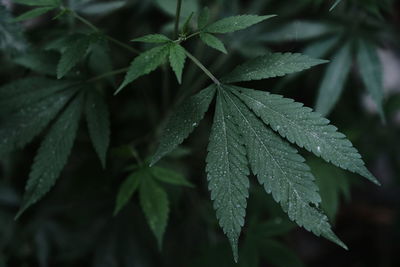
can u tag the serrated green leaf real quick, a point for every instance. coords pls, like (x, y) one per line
(203, 18)
(370, 68)
(282, 171)
(177, 57)
(24, 92)
(183, 121)
(21, 127)
(169, 176)
(227, 173)
(73, 54)
(98, 120)
(52, 155)
(302, 126)
(33, 13)
(38, 2)
(235, 23)
(44, 62)
(271, 65)
(213, 42)
(334, 80)
(155, 205)
(127, 189)
(152, 38)
(186, 24)
(144, 64)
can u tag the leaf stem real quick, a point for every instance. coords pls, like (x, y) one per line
(107, 74)
(94, 28)
(203, 68)
(177, 17)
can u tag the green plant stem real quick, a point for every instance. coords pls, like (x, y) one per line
(94, 28)
(107, 74)
(177, 17)
(203, 68)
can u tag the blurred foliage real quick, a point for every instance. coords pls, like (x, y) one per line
(74, 224)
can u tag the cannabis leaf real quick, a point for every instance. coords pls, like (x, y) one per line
(235, 23)
(155, 205)
(213, 42)
(183, 121)
(52, 154)
(203, 18)
(272, 65)
(370, 68)
(44, 6)
(97, 117)
(144, 64)
(305, 128)
(177, 58)
(152, 196)
(334, 80)
(281, 170)
(227, 173)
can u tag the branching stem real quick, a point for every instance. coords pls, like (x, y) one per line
(203, 68)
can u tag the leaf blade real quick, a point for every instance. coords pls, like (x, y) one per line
(126, 190)
(152, 38)
(213, 42)
(302, 126)
(271, 65)
(177, 57)
(169, 176)
(183, 121)
(235, 23)
(227, 174)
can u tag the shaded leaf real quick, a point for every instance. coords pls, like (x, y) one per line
(169, 176)
(127, 189)
(235, 23)
(213, 42)
(33, 13)
(203, 18)
(271, 65)
(333, 81)
(152, 38)
(98, 119)
(183, 121)
(177, 57)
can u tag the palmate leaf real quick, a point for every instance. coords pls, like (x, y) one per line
(183, 121)
(144, 64)
(370, 68)
(177, 57)
(213, 42)
(305, 128)
(98, 120)
(235, 23)
(271, 65)
(334, 80)
(52, 154)
(282, 171)
(227, 173)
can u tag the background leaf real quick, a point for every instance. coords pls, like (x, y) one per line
(235, 23)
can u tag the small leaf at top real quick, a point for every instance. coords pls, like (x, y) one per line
(271, 65)
(144, 64)
(370, 69)
(169, 176)
(302, 126)
(235, 23)
(183, 121)
(202, 19)
(213, 42)
(334, 80)
(177, 57)
(98, 120)
(52, 155)
(227, 173)
(155, 205)
(127, 189)
(33, 13)
(152, 38)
